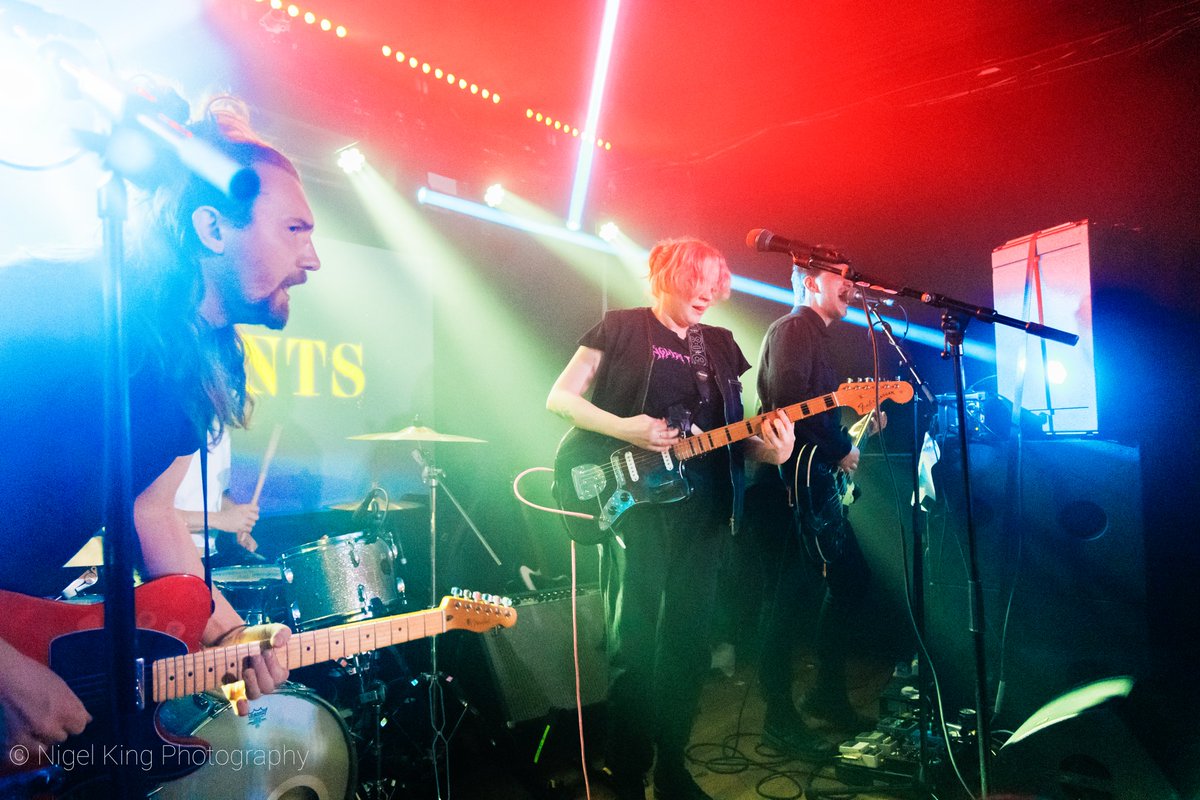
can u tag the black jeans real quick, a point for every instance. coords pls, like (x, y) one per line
(659, 596)
(786, 571)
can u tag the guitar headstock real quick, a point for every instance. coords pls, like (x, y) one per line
(861, 395)
(477, 612)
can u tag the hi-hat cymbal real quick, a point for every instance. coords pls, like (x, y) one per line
(413, 433)
(393, 505)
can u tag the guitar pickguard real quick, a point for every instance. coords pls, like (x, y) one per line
(588, 481)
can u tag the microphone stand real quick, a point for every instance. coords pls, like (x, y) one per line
(924, 711)
(955, 316)
(156, 135)
(119, 624)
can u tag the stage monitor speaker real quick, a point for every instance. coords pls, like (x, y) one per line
(528, 671)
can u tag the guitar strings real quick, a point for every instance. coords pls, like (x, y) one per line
(645, 457)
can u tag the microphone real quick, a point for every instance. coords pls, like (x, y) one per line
(764, 241)
(872, 300)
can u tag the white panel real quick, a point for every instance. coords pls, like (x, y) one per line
(1065, 265)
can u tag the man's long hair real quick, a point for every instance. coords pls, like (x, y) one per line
(206, 364)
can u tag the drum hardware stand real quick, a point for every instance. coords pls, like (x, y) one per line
(434, 477)
(371, 695)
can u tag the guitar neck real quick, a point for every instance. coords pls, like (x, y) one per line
(702, 443)
(205, 670)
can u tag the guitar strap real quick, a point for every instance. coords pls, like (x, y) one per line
(207, 533)
(700, 366)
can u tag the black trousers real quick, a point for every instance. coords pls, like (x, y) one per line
(659, 594)
(785, 571)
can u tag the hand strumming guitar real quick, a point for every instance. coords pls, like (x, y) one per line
(39, 709)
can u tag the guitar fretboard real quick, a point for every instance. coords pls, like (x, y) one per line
(205, 670)
(702, 443)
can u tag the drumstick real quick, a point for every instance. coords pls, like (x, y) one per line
(266, 464)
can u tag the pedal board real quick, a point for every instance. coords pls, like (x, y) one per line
(888, 756)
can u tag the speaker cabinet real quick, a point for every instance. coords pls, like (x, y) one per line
(882, 520)
(1062, 565)
(526, 672)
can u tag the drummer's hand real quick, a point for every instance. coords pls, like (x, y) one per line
(239, 518)
(263, 673)
(246, 541)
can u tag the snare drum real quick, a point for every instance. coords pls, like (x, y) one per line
(256, 592)
(292, 746)
(342, 579)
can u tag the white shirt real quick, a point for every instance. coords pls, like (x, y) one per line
(190, 497)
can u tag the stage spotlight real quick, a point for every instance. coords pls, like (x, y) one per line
(387, 51)
(351, 160)
(310, 17)
(341, 31)
(1056, 372)
(609, 232)
(494, 195)
(293, 10)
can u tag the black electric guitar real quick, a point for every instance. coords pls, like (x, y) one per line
(597, 478)
(171, 614)
(823, 493)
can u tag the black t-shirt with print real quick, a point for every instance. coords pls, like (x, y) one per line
(674, 385)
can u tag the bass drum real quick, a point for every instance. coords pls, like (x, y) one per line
(292, 746)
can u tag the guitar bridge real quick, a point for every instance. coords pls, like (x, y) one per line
(588, 481)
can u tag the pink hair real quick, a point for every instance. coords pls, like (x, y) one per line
(678, 266)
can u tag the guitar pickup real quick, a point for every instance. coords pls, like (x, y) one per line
(631, 466)
(588, 480)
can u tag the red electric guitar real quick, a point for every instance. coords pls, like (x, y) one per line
(171, 614)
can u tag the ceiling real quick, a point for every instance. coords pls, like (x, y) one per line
(915, 136)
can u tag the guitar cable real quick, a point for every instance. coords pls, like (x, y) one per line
(516, 487)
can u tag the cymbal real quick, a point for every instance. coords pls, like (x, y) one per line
(393, 505)
(90, 555)
(413, 433)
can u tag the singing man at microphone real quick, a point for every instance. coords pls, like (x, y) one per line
(796, 364)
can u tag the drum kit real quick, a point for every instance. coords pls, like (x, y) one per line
(331, 581)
